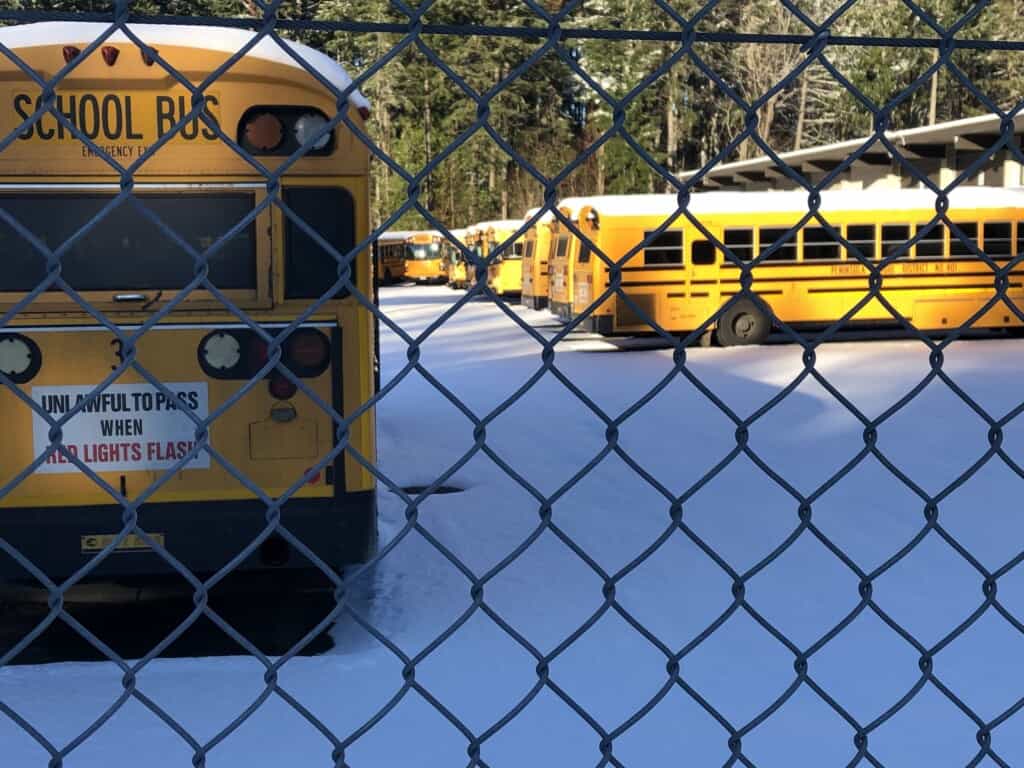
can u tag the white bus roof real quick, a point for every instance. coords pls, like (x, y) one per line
(512, 224)
(223, 39)
(793, 201)
(546, 216)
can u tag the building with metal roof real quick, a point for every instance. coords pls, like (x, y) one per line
(941, 152)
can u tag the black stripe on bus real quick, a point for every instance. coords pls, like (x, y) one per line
(883, 289)
(887, 277)
(649, 283)
(649, 268)
(759, 293)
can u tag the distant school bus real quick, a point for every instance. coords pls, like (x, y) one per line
(389, 257)
(123, 442)
(808, 278)
(454, 262)
(535, 261)
(423, 260)
(505, 272)
(564, 247)
(476, 242)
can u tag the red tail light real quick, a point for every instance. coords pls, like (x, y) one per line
(264, 132)
(71, 52)
(282, 388)
(110, 54)
(307, 350)
(257, 356)
(148, 59)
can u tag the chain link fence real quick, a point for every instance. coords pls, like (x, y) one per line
(554, 36)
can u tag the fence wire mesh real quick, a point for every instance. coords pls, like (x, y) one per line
(554, 36)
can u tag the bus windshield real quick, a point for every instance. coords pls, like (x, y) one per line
(421, 252)
(125, 249)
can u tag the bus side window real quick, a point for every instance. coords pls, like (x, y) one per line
(819, 245)
(1020, 237)
(861, 237)
(998, 239)
(584, 253)
(931, 245)
(740, 242)
(702, 253)
(894, 237)
(786, 250)
(666, 248)
(958, 247)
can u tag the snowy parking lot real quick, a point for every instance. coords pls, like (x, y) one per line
(805, 568)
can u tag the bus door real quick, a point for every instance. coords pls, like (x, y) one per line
(703, 289)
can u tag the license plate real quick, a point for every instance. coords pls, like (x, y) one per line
(132, 542)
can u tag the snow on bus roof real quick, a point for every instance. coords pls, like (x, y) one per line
(546, 216)
(393, 236)
(792, 201)
(224, 39)
(512, 224)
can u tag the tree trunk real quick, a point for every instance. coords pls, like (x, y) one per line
(933, 97)
(798, 136)
(426, 139)
(671, 139)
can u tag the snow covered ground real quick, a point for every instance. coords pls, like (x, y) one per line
(614, 515)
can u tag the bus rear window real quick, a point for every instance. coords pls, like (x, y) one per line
(310, 270)
(125, 250)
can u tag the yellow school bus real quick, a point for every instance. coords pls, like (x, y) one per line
(476, 242)
(389, 257)
(423, 261)
(563, 249)
(808, 279)
(88, 432)
(535, 261)
(505, 272)
(454, 263)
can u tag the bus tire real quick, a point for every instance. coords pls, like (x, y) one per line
(743, 323)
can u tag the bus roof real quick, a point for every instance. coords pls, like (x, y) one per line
(793, 201)
(224, 39)
(512, 224)
(546, 216)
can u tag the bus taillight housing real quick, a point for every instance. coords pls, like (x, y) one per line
(239, 354)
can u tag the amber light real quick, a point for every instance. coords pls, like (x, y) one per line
(264, 132)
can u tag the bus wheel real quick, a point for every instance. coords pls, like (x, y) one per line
(743, 323)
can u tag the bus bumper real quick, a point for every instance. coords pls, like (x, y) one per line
(534, 302)
(602, 324)
(203, 536)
